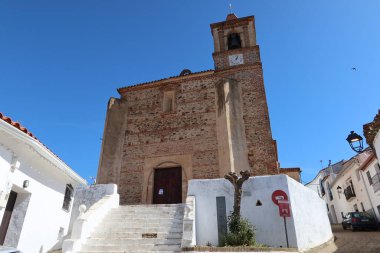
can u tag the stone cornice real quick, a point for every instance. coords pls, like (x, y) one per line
(169, 80)
(234, 69)
(255, 48)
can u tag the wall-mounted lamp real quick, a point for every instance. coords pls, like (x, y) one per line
(25, 184)
(339, 189)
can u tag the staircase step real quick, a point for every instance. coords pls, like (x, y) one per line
(133, 235)
(118, 247)
(124, 241)
(123, 227)
(145, 230)
(131, 251)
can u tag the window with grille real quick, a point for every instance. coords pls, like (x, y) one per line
(68, 197)
(369, 178)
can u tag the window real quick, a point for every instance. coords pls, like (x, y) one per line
(369, 178)
(234, 41)
(68, 197)
(352, 187)
(168, 103)
(322, 188)
(329, 190)
(377, 168)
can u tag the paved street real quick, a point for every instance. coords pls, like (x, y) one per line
(358, 241)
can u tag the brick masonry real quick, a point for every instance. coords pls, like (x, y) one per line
(137, 129)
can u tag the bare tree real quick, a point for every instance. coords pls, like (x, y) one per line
(237, 183)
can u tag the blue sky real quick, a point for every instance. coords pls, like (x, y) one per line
(60, 62)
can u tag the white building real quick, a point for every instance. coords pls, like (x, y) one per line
(372, 168)
(36, 190)
(351, 190)
(356, 187)
(322, 185)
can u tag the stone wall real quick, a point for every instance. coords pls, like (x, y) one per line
(262, 150)
(195, 128)
(190, 129)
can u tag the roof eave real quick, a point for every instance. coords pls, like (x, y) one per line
(42, 150)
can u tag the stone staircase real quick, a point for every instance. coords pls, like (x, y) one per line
(138, 229)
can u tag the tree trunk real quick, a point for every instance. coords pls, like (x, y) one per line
(237, 183)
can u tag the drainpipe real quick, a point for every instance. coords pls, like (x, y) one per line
(370, 201)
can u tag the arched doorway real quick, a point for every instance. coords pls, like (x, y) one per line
(167, 187)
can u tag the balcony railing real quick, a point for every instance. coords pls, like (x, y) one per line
(376, 182)
(349, 193)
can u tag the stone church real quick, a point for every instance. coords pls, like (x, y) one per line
(160, 134)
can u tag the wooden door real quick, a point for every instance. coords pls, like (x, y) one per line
(167, 186)
(7, 216)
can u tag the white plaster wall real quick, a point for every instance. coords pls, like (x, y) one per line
(339, 200)
(314, 184)
(312, 226)
(44, 215)
(343, 205)
(376, 144)
(5, 159)
(269, 225)
(44, 197)
(374, 196)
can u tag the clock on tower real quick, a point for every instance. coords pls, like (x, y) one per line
(235, 43)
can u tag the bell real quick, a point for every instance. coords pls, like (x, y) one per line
(234, 41)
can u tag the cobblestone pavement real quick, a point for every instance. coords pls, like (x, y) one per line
(355, 242)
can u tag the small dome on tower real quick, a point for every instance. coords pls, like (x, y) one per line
(231, 16)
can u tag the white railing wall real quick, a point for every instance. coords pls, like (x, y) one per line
(87, 221)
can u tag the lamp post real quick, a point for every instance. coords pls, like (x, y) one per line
(355, 141)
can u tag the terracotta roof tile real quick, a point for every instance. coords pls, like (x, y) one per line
(16, 125)
(24, 130)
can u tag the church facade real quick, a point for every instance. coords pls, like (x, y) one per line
(160, 134)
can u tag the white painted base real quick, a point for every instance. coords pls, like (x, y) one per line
(308, 226)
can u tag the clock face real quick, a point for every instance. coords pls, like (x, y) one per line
(235, 59)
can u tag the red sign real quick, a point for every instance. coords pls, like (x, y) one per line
(279, 195)
(284, 208)
(280, 198)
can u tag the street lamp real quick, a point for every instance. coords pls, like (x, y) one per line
(355, 141)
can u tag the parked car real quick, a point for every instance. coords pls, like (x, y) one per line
(4, 249)
(358, 220)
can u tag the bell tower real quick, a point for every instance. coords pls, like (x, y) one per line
(243, 126)
(234, 42)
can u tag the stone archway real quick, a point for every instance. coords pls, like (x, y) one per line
(150, 164)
